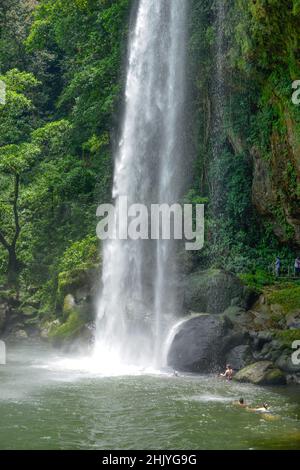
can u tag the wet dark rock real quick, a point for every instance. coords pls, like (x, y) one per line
(202, 344)
(239, 357)
(285, 362)
(213, 291)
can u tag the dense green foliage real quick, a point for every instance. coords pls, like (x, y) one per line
(63, 75)
(62, 62)
(257, 170)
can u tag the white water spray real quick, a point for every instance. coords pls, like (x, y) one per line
(139, 277)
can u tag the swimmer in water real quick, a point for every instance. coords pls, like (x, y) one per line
(241, 403)
(265, 412)
(265, 408)
(175, 373)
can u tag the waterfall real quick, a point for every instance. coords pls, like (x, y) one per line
(139, 292)
(218, 109)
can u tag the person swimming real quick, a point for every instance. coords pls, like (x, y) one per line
(265, 408)
(241, 403)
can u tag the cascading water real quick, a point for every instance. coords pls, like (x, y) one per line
(139, 276)
(218, 110)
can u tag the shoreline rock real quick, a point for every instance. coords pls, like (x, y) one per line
(261, 373)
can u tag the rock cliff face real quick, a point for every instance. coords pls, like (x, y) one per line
(276, 184)
(214, 290)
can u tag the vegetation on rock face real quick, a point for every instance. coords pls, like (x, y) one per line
(63, 65)
(257, 167)
(288, 298)
(76, 262)
(68, 331)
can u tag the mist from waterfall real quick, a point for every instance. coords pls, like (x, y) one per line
(218, 109)
(139, 295)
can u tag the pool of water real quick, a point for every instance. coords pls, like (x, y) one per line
(49, 401)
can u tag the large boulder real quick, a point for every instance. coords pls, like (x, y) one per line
(289, 362)
(261, 373)
(239, 357)
(202, 343)
(213, 291)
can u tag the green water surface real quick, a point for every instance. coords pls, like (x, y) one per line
(47, 407)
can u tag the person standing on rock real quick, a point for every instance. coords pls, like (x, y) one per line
(297, 266)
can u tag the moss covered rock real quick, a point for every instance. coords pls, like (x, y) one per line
(69, 304)
(288, 298)
(213, 291)
(29, 311)
(68, 331)
(261, 373)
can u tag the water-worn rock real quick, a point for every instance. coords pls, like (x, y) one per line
(261, 373)
(213, 291)
(286, 363)
(259, 339)
(21, 334)
(202, 343)
(293, 379)
(29, 310)
(270, 350)
(47, 327)
(239, 357)
(293, 320)
(238, 317)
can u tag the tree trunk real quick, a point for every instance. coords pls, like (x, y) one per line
(13, 266)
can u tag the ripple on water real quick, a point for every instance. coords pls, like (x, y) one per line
(73, 408)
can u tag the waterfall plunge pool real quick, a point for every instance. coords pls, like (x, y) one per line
(46, 403)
